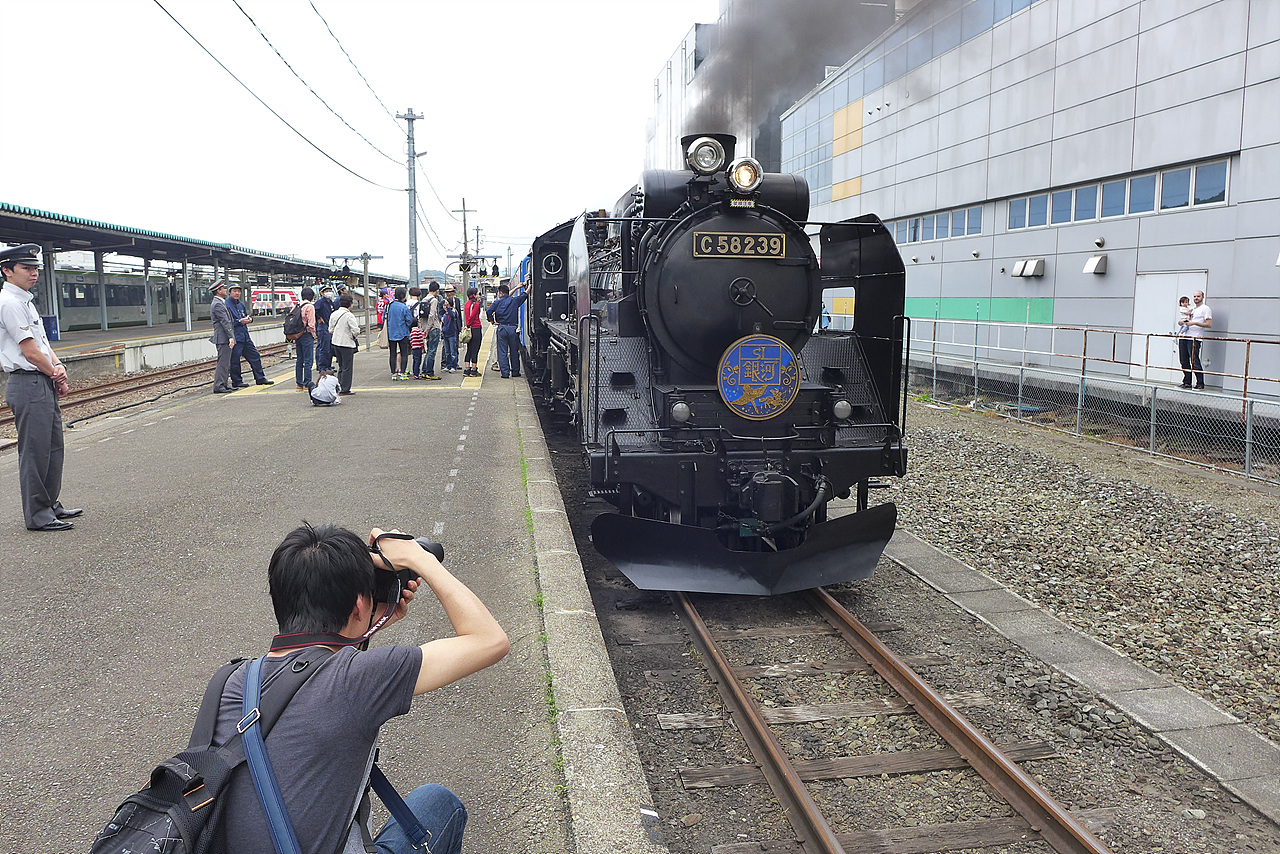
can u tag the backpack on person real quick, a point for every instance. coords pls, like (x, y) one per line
(294, 325)
(424, 307)
(179, 810)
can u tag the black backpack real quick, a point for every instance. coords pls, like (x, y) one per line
(293, 325)
(178, 811)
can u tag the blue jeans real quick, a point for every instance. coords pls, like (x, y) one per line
(439, 811)
(450, 357)
(509, 350)
(417, 361)
(306, 350)
(433, 344)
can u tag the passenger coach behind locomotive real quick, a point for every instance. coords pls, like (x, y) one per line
(679, 335)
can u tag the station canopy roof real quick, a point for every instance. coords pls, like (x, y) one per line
(64, 233)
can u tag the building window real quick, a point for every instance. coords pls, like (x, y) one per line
(1113, 198)
(1037, 210)
(975, 220)
(1211, 183)
(1086, 203)
(1017, 213)
(926, 228)
(1175, 189)
(1061, 211)
(944, 224)
(1142, 194)
(900, 231)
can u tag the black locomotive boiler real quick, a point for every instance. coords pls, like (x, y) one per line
(679, 333)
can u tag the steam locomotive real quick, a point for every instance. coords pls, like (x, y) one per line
(679, 334)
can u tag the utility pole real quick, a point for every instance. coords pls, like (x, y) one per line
(365, 258)
(413, 202)
(465, 257)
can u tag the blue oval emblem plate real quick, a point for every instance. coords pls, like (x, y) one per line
(759, 377)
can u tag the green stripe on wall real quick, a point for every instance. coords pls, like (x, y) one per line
(999, 309)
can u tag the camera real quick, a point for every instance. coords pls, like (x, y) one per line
(388, 584)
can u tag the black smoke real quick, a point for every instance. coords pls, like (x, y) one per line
(768, 53)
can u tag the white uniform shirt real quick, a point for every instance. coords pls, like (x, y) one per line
(1199, 314)
(19, 321)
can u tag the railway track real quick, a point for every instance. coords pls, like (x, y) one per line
(101, 391)
(1037, 819)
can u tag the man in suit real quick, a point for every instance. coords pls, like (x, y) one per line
(241, 318)
(223, 337)
(37, 379)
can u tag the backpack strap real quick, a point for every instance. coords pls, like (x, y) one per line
(418, 835)
(207, 717)
(283, 838)
(289, 680)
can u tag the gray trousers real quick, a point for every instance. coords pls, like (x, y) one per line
(38, 417)
(222, 373)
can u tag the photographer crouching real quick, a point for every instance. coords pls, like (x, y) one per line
(332, 590)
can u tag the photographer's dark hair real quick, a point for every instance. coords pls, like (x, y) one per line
(315, 577)
(307, 293)
(346, 300)
(401, 292)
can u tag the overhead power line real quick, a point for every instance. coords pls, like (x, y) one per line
(390, 114)
(436, 194)
(308, 85)
(300, 134)
(435, 236)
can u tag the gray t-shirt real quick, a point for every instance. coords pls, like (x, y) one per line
(319, 748)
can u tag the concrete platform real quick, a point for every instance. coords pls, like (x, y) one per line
(111, 630)
(1232, 753)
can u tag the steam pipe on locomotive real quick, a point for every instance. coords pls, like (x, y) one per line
(679, 336)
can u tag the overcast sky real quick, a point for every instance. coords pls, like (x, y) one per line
(534, 110)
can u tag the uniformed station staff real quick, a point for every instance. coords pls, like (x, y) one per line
(37, 379)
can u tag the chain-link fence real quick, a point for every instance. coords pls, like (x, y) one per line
(1111, 385)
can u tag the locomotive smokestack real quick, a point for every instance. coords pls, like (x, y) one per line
(769, 53)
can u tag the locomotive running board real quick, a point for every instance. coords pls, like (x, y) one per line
(661, 556)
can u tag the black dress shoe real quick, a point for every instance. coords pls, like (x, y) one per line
(56, 525)
(266, 382)
(68, 514)
(223, 390)
(239, 385)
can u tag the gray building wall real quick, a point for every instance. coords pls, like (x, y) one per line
(984, 103)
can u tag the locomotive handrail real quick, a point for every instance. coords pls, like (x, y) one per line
(595, 350)
(906, 367)
(722, 434)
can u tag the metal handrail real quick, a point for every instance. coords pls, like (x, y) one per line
(1108, 356)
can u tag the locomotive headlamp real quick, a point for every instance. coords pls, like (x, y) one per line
(842, 409)
(680, 412)
(745, 174)
(706, 156)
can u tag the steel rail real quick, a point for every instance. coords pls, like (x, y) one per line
(114, 388)
(1044, 814)
(814, 834)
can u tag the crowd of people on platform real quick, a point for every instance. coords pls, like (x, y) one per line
(415, 328)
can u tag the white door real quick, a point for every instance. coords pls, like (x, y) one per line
(1155, 314)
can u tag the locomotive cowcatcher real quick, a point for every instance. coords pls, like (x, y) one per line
(680, 335)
